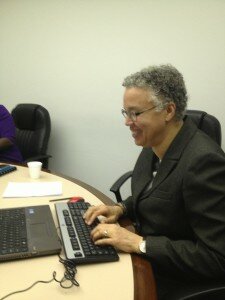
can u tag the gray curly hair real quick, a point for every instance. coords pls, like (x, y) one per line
(165, 84)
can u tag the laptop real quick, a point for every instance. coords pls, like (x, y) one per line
(27, 232)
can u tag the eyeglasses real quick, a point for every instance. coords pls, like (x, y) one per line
(133, 115)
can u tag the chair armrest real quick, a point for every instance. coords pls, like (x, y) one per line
(38, 157)
(201, 290)
(115, 188)
(42, 157)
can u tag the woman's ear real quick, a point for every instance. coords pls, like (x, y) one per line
(170, 111)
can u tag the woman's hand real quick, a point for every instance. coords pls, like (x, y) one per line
(111, 213)
(117, 236)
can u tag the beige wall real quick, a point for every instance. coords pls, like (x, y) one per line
(71, 57)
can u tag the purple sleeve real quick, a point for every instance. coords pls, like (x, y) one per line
(7, 126)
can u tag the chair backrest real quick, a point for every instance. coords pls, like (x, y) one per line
(207, 123)
(33, 127)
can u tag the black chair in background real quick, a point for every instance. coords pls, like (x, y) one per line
(33, 127)
(211, 126)
(206, 122)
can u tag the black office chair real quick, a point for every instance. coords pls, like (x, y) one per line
(211, 126)
(33, 127)
(206, 122)
(207, 291)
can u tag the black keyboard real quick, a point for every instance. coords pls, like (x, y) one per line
(78, 245)
(5, 169)
(13, 232)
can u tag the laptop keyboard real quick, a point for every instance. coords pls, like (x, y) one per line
(13, 233)
(75, 233)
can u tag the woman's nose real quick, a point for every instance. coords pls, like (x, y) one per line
(128, 121)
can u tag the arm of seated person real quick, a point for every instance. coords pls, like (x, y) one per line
(5, 143)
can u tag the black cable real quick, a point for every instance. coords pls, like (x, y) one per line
(69, 276)
(70, 270)
(21, 291)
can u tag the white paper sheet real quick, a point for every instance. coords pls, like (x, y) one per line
(32, 189)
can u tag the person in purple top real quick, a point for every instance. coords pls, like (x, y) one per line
(9, 152)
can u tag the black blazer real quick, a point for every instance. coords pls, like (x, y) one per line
(183, 215)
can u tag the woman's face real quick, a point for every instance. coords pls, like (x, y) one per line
(149, 129)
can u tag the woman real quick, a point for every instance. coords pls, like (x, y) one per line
(179, 208)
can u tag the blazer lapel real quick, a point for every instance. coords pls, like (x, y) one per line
(143, 172)
(174, 152)
(166, 167)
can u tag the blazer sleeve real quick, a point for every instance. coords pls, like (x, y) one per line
(204, 200)
(129, 207)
